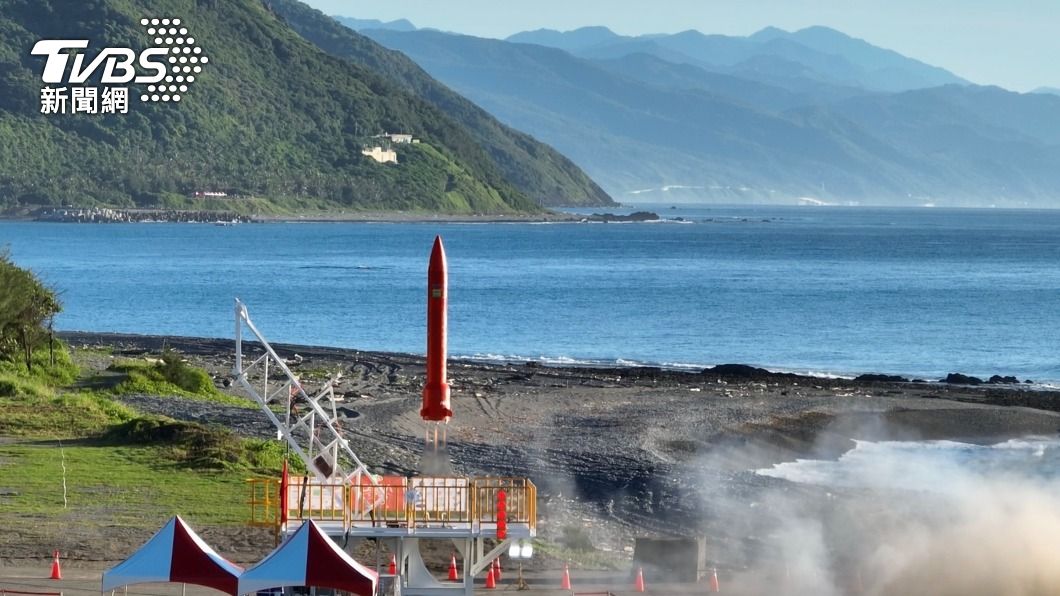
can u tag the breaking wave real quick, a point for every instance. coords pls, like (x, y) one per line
(916, 465)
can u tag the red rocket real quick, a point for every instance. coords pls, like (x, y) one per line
(436, 407)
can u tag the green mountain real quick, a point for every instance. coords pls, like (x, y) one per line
(536, 169)
(270, 116)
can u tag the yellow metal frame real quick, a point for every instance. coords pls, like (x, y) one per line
(264, 502)
(435, 500)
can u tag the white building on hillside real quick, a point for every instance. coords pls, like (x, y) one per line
(397, 137)
(381, 155)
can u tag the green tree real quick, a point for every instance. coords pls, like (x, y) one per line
(27, 308)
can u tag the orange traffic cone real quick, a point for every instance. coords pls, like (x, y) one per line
(497, 569)
(490, 582)
(714, 585)
(453, 575)
(638, 584)
(392, 567)
(565, 585)
(57, 573)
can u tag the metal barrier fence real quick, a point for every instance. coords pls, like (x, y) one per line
(396, 501)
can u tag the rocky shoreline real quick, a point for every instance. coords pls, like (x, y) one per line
(111, 215)
(114, 215)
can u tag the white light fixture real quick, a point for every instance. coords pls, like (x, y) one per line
(523, 549)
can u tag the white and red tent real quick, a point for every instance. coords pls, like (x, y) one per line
(309, 558)
(175, 554)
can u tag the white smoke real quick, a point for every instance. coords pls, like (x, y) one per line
(907, 518)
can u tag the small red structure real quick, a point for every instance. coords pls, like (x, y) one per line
(453, 574)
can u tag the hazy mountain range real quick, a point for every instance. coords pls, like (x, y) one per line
(770, 117)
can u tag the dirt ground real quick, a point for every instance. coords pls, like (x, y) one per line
(616, 453)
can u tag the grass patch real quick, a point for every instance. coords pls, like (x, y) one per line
(170, 376)
(52, 368)
(122, 468)
(194, 445)
(35, 413)
(15, 385)
(129, 485)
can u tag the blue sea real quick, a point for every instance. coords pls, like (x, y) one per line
(824, 290)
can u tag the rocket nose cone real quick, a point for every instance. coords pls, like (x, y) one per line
(437, 254)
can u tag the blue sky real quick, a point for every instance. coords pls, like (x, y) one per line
(1015, 44)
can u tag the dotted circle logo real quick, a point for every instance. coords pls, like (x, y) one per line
(184, 60)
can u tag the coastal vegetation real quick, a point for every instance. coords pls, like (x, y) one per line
(271, 119)
(27, 307)
(63, 425)
(168, 375)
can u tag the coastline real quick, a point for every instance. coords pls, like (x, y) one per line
(355, 217)
(118, 216)
(203, 346)
(802, 416)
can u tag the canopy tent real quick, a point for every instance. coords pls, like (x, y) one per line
(309, 558)
(175, 554)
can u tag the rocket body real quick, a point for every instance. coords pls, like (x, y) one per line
(436, 406)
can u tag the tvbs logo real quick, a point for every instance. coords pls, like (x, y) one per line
(167, 68)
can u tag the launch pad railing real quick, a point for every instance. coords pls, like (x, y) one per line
(398, 502)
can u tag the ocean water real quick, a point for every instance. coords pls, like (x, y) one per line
(825, 290)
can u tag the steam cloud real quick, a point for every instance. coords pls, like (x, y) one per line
(889, 518)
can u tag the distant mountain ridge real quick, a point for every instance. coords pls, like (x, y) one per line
(571, 41)
(829, 55)
(358, 24)
(772, 117)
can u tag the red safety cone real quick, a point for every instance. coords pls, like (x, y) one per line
(714, 585)
(392, 567)
(497, 569)
(490, 582)
(638, 584)
(565, 585)
(453, 575)
(57, 573)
